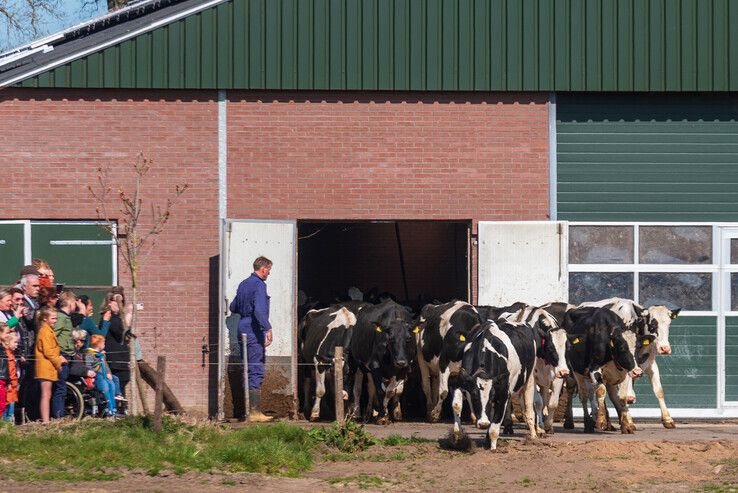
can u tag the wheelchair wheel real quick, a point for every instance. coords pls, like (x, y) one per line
(74, 403)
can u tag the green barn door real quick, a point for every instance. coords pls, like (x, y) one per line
(12, 249)
(729, 312)
(81, 254)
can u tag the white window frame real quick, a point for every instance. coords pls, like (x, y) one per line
(637, 268)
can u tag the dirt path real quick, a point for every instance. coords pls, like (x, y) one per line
(694, 457)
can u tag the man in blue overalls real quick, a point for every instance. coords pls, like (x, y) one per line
(252, 304)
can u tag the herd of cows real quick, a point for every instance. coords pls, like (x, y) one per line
(485, 355)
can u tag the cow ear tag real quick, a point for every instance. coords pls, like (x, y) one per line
(646, 342)
(612, 344)
(462, 338)
(379, 328)
(416, 329)
(575, 340)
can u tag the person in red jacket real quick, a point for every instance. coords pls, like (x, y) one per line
(11, 344)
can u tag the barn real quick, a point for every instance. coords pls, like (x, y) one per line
(490, 150)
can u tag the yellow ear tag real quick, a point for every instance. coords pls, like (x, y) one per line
(416, 329)
(575, 340)
(646, 342)
(611, 343)
(379, 329)
(462, 338)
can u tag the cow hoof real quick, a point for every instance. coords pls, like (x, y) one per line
(568, 424)
(601, 424)
(669, 424)
(473, 418)
(631, 399)
(482, 425)
(540, 431)
(627, 430)
(434, 417)
(383, 421)
(549, 430)
(397, 414)
(508, 431)
(314, 417)
(610, 427)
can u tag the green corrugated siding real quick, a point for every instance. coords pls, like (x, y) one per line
(11, 252)
(647, 158)
(689, 374)
(731, 358)
(483, 45)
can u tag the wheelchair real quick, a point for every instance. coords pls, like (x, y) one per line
(83, 400)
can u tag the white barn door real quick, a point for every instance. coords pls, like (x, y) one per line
(243, 242)
(523, 261)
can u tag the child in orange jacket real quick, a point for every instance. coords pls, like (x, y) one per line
(11, 395)
(48, 358)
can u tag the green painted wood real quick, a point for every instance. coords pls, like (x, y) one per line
(731, 358)
(74, 264)
(11, 251)
(482, 45)
(689, 374)
(647, 158)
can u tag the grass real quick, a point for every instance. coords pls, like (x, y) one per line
(396, 440)
(89, 450)
(363, 481)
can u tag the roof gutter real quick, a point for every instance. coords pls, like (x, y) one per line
(111, 42)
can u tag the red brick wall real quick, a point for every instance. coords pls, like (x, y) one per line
(388, 156)
(52, 143)
(297, 156)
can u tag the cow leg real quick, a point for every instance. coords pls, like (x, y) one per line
(584, 396)
(507, 421)
(571, 386)
(554, 394)
(307, 385)
(484, 389)
(498, 414)
(319, 393)
(457, 406)
(371, 390)
(442, 393)
(601, 422)
(631, 390)
(397, 411)
(472, 414)
(528, 407)
(380, 390)
(653, 374)
(619, 397)
(389, 393)
(358, 387)
(425, 381)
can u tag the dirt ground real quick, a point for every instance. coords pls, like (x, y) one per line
(693, 457)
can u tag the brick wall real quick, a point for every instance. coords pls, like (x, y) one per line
(291, 155)
(52, 144)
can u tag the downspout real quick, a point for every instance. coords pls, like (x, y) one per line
(222, 215)
(552, 165)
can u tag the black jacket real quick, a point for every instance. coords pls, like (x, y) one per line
(117, 349)
(4, 373)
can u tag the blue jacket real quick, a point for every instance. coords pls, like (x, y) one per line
(252, 303)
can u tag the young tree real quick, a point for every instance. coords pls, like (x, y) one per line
(135, 237)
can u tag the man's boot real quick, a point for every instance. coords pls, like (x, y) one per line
(255, 414)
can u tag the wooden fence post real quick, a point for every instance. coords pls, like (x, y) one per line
(246, 403)
(338, 383)
(161, 365)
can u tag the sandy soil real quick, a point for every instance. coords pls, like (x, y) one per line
(657, 460)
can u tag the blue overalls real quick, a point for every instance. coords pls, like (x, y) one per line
(252, 304)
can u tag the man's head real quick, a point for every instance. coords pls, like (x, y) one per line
(46, 275)
(262, 267)
(17, 296)
(67, 301)
(30, 285)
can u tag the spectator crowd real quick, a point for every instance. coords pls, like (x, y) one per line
(49, 336)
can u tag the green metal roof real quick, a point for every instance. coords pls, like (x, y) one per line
(464, 45)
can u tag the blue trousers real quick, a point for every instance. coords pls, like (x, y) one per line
(9, 414)
(256, 356)
(110, 388)
(59, 393)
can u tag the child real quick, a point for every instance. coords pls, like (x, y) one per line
(105, 382)
(12, 381)
(48, 358)
(79, 367)
(4, 373)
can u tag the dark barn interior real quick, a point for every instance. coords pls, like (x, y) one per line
(416, 262)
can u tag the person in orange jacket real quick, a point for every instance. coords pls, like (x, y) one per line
(11, 394)
(48, 358)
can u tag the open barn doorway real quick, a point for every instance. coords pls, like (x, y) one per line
(414, 262)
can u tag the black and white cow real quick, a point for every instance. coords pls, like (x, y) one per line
(498, 361)
(382, 348)
(602, 353)
(550, 371)
(656, 321)
(440, 346)
(319, 333)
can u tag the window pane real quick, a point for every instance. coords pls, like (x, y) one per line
(734, 250)
(734, 291)
(593, 286)
(675, 244)
(601, 245)
(689, 291)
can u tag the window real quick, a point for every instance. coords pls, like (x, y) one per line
(654, 264)
(82, 254)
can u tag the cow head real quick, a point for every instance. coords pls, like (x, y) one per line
(455, 341)
(623, 346)
(397, 332)
(659, 320)
(551, 341)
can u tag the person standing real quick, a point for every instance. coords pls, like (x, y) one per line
(63, 331)
(252, 304)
